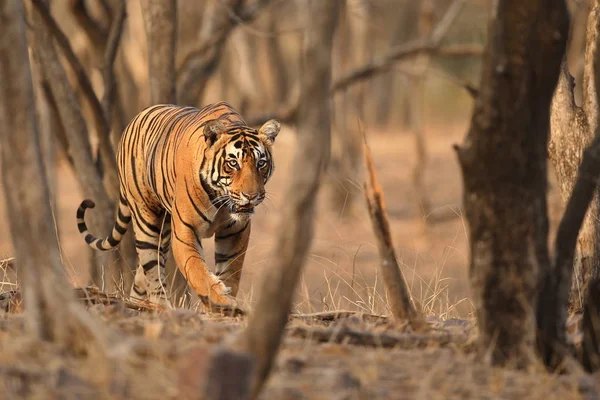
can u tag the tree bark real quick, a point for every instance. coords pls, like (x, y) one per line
(582, 200)
(265, 327)
(571, 131)
(504, 168)
(160, 21)
(25, 188)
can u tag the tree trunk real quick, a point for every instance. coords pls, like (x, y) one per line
(47, 62)
(160, 21)
(571, 131)
(414, 111)
(26, 190)
(277, 65)
(504, 166)
(348, 105)
(265, 327)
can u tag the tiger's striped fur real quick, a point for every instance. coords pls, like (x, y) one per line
(188, 174)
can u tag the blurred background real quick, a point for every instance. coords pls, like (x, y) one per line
(248, 53)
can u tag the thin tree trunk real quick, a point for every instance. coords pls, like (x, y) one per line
(504, 167)
(265, 327)
(277, 65)
(160, 21)
(414, 110)
(47, 61)
(48, 304)
(348, 105)
(572, 130)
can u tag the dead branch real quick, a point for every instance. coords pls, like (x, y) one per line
(329, 316)
(263, 334)
(373, 339)
(218, 22)
(400, 304)
(100, 121)
(89, 295)
(108, 73)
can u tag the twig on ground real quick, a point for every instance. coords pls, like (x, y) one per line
(365, 338)
(339, 314)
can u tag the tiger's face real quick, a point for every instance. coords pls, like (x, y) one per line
(240, 165)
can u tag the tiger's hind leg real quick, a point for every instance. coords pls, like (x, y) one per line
(152, 243)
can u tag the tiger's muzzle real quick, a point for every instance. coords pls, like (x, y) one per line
(245, 202)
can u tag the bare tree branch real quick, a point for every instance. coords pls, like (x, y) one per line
(413, 48)
(431, 45)
(219, 20)
(94, 31)
(101, 124)
(108, 73)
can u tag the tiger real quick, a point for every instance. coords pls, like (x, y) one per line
(186, 174)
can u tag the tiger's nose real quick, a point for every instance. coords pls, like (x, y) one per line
(250, 196)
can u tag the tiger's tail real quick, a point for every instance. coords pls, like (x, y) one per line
(119, 229)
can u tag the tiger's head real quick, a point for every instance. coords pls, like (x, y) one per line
(238, 164)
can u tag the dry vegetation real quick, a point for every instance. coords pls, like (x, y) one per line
(348, 335)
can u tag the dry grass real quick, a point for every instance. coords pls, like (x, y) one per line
(341, 274)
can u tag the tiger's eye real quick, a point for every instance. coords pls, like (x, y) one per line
(262, 163)
(232, 163)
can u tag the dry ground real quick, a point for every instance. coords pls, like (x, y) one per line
(340, 273)
(341, 269)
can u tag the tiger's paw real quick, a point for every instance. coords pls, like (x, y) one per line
(161, 301)
(219, 300)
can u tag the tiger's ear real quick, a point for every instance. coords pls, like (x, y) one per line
(212, 130)
(269, 130)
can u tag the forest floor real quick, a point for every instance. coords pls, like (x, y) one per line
(361, 356)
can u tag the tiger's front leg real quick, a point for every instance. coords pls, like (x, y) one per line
(231, 244)
(189, 257)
